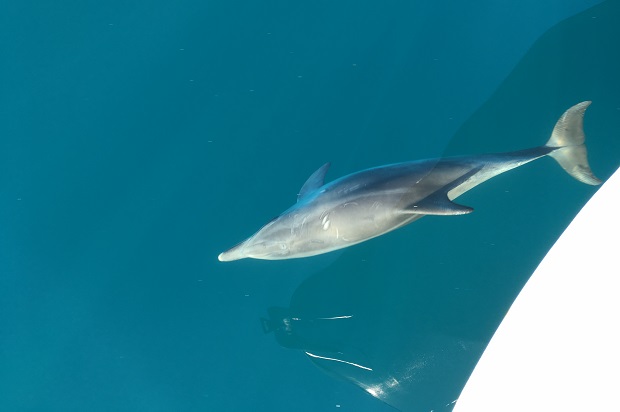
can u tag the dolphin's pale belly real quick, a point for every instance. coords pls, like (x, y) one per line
(352, 221)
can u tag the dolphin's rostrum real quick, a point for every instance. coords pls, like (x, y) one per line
(366, 204)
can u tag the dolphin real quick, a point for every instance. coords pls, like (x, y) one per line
(369, 203)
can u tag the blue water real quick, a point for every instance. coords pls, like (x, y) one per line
(139, 140)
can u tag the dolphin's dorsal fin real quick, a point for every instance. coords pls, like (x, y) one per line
(437, 204)
(314, 181)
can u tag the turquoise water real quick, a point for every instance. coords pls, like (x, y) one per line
(138, 141)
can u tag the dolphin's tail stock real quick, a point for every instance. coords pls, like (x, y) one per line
(568, 140)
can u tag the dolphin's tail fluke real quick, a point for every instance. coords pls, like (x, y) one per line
(569, 139)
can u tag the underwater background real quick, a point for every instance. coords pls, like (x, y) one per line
(138, 140)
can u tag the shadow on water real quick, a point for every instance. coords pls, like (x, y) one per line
(381, 331)
(407, 317)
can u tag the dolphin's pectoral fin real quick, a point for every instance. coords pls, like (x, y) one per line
(437, 205)
(314, 181)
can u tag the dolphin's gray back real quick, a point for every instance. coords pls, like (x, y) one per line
(419, 179)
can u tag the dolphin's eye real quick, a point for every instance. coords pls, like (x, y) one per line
(283, 246)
